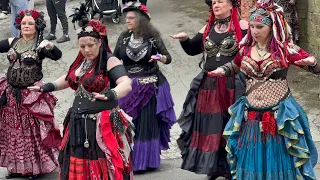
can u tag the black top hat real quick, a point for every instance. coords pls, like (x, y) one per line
(137, 6)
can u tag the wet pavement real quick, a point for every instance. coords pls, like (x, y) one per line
(170, 17)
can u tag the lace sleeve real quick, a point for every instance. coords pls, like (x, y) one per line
(161, 48)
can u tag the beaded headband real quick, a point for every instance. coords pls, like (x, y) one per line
(260, 15)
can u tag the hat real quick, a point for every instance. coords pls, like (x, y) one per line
(235, 3)
(137, 6)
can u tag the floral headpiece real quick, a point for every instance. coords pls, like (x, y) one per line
(94, 29)
(37, 16)
(137, 6)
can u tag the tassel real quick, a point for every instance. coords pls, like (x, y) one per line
(17, 94)
(3, 99)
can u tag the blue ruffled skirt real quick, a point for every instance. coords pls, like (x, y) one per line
(288, 154)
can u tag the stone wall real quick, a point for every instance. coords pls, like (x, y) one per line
(309, 24)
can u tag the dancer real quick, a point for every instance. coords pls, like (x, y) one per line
(204, 114)
(268, 134)
(150, 102)
(98, 136)
(29, 139)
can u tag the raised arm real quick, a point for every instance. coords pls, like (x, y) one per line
(163, 54)
(192, 46)
(59, 84)
(48, 50)
(301, 58)
(118, 73)
(5, 45)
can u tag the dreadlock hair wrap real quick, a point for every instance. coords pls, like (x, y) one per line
(96, 30)
(281, 32)
(234, 25)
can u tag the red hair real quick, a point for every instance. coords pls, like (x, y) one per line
(234, 25)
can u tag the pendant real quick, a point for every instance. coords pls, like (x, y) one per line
(218, 57)
(86, 144)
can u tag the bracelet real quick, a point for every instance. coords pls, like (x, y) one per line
(226, 70)
(315, 63)
(111, 95)
(48, 87)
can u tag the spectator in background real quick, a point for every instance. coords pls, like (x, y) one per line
(16, 7)
(4, 9)
(31, 4)
(57, 8)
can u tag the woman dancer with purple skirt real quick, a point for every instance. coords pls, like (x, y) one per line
(150, 102)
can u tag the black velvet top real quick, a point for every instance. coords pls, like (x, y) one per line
(138, 54)
(220, 48)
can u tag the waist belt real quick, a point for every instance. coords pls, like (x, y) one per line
(147, 80)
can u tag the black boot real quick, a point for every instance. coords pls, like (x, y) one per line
(63, 39)
(12, 175)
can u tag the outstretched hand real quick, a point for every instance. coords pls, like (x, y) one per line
(217, 72)
(181, 36)
(98, 96)
(156, 57)
(34, 88)
(309, 61)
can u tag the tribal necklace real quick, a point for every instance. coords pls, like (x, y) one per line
(261, 57)
(85, 67)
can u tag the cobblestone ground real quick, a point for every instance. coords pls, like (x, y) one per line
(190, 18)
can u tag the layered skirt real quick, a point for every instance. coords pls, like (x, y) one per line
(202, 121)
(151, 106)
(271, 143)
(29, 139)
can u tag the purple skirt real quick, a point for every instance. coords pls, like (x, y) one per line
(151, 107)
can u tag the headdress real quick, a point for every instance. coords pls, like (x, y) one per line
(260, 15)
(137, 6)
(97, 30)
(39, 23)
(234, 24)
(265, 11)
(94, 29)
(37, 16)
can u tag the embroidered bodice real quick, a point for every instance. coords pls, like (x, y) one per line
(25, 65)
(88, 82)
(220, 48)
(266, 83)
(261, 71)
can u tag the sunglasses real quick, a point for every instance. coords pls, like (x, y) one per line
(133, 4)
(259, 11)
